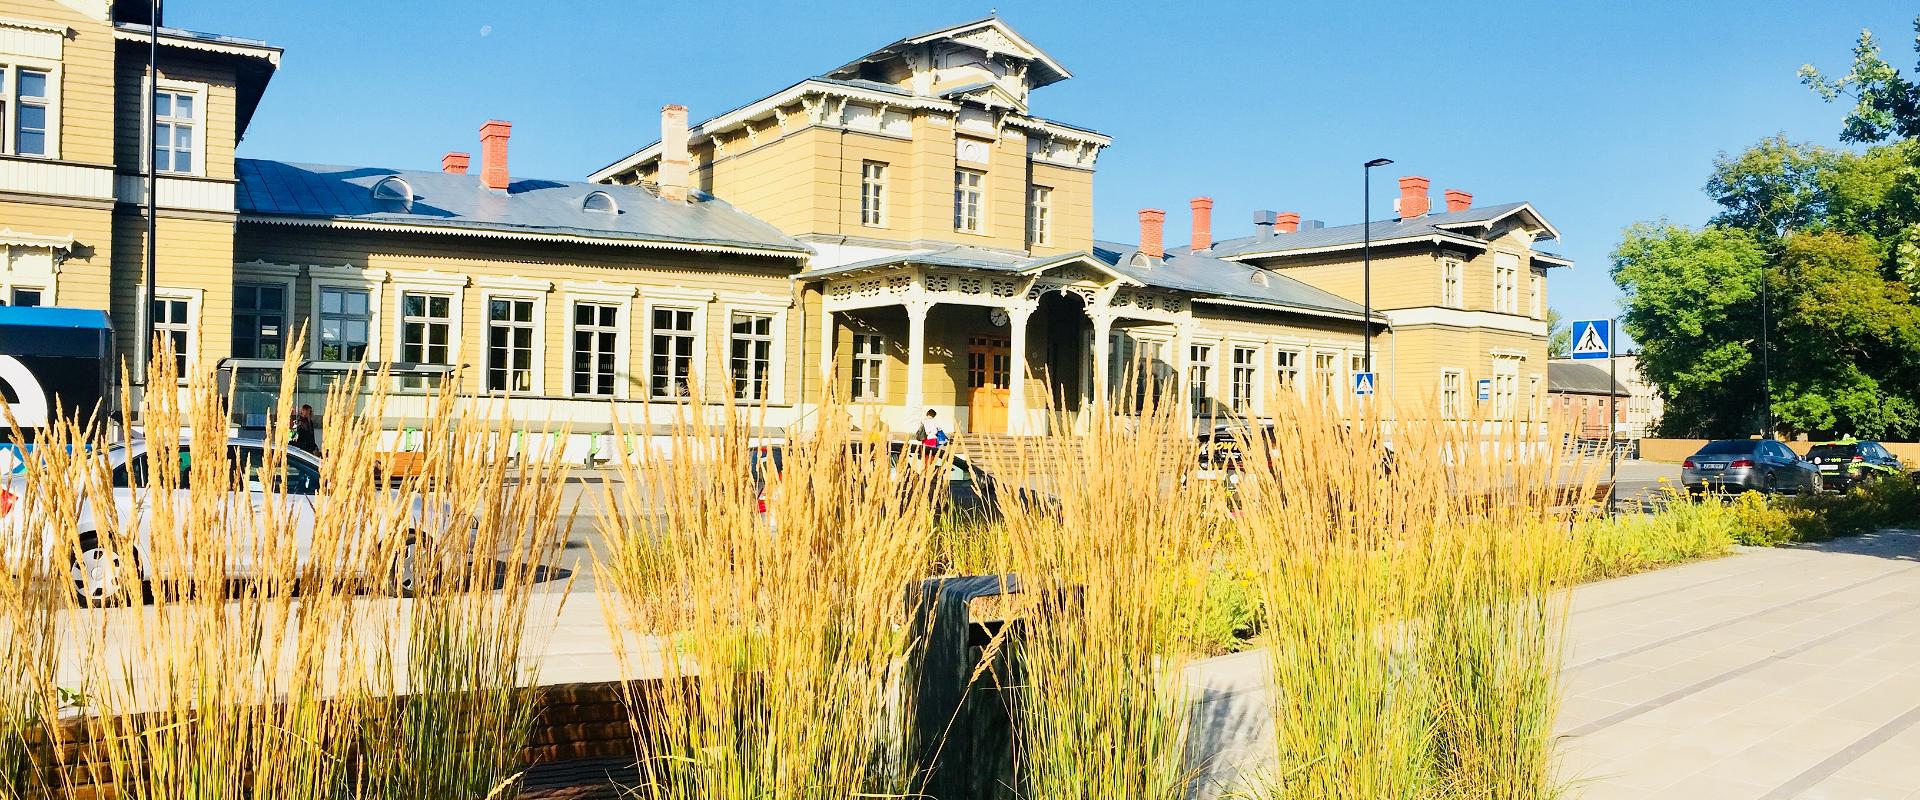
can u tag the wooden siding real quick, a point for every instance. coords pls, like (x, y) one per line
(86, 79)
(218, 117)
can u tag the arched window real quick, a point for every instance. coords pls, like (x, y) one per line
(392, 193)
(600, 203)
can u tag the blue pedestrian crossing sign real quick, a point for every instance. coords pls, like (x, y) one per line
(1593, 338)
(1362, 384)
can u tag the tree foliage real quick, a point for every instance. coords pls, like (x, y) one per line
(1816, 247)
(1559, 336)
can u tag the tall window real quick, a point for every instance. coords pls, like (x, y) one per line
(1506, 386)
(1453, 291)
(24, 103)
(510, 344)
(751, 355)
(1200, 373)
(968, 189)
(1241, 380)
(1039, 215)
(1451, 385)
(174, 121)
(259, 321)
(172, 326)
(869, 364)
(1326, 370)
(672, 372)
(1286, 369)
(1506, 283)
(343, 324)
(596, 346)
(1537, 290)
(873, 193)
(426, 332)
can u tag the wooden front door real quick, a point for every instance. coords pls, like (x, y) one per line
(989, 383)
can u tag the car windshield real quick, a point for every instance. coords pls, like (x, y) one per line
(1831, 451)
(1729, 447)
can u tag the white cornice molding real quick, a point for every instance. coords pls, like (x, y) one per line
(432, 278)
(131, 32)
(599, 289)
(9, 236)
(513, 283)
(34, 25)
(1058, 130)
(681, 294)
(392, 227)
(1457, 318)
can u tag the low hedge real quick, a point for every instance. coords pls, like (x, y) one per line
(1771, 521)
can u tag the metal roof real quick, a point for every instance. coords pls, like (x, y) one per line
(279, 191)
(1216, 277)
(1446, 224)
(1568, 377)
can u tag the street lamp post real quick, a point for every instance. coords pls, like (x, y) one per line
(1366, 259)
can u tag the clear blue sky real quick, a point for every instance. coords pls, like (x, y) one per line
(1599, 113)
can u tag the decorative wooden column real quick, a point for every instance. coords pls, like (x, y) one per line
(1102, 393)
(917, 355)
(1017, 317)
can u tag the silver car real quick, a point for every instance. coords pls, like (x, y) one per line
(1761, 465)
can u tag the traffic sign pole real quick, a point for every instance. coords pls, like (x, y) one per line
(1613, 402)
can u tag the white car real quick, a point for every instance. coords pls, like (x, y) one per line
(102, 574)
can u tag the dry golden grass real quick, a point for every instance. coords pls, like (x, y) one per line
(308, 679)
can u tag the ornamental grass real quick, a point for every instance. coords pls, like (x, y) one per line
(763, 625)
(382, 658)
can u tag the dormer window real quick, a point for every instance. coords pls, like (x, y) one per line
(600, 203)
(393, 194)
(1141, 260)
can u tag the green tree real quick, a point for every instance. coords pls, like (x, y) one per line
(1847, 340)
(1772, 187)
(1886, 104)
(1559, 336)
(1691, 302)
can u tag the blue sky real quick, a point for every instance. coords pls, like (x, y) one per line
(1599, 113)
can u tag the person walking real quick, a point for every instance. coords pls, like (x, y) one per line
(303, 432)
(930, 433)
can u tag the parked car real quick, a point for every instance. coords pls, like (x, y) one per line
(1761, 465)
(106, 573)
(1223, 455)
(969, 490)
(1848, 462)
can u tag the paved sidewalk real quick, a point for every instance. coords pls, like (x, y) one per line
(1776, 673)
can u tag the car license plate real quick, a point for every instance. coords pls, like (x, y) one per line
(1829, 467)
(1714, 465)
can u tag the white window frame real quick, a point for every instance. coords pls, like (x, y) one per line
(286, 282)
(1040, 214)
(1505, 390)
(1250, 369)
(776, 378)
(195, 300)
(873, 194)
(1201, 371)
(199, 122)
(878, 359)
(1327, 380)
(612, 294)
(1452, 407)
(47, 284)
(538, 360)
(10, 66)
(696, 302)
(431, 283)
(1506, 282)
(978, 190)
(1537, 287)
(1453, 283)
(1287, 376)
(321, 278)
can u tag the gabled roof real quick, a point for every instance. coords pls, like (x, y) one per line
(987, 33)
(1573, 377)
(1462, 227)
(1227, 280)
(336, 196)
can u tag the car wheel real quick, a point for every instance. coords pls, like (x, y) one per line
(101, 575)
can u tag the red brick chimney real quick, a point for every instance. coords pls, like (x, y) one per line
(1151, 220)
(454, 163)
(1202, 223)
(493, 154)
(1458, 200)
(1287, 222)
(1413, 197)
(676, 168)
